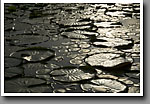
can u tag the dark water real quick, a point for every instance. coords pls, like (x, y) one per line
(72, 48)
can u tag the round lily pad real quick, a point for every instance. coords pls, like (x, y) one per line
(26, 85)
(28, 39)
(34, 54)
(12, 61)
(72, 74)
(104, 85)
(107, 60)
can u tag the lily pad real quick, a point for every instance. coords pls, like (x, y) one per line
(77, 28)
(108, 24)
(113, 43)
(108, 60)
(72, 22)
(26, 85)
(104, 85)
(33, 69)
(12, 61)
(72, 74)
(13, 71)
(28, 39)
(103, 50)
(134, 90)
(34, 54)
(128, 22)
(73, 35)
(87, 33)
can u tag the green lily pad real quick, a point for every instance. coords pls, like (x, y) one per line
(34, 54)
(73, 35)
(13, 71)
(72, 74)
(108, 60)
(104, 85)
(28, 39)
(12, 61)
(26, 85)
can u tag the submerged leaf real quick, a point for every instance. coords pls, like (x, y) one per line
(28, 39)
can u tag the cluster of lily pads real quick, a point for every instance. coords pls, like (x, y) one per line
(72, 48)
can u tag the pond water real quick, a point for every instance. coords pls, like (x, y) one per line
(78, 47)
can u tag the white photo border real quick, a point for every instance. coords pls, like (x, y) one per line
(72, 94)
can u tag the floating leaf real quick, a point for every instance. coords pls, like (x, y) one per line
(86, 33)
(33, 69)
(116, 43)
(104, 85)
(106, 76)
(11, 61)
(108, 60)
(107, 24)
(25, 85)
(72, 74)
(73, 35)
(13, 71)
(134, 90)
(72, 22)
(27, 39)
(104, 50)
(34, 54)
(128, 22)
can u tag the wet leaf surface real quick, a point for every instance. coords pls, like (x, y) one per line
(72, 75)
(115, 43)
(34, 54)
(107, 60)
(74, 35)
(104, 85)
(33, 69)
